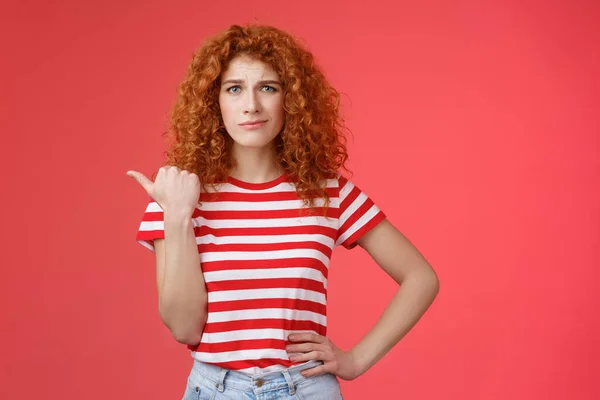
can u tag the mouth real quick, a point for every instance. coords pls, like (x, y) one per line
(252, 124)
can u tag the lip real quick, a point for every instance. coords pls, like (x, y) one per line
(252, 124)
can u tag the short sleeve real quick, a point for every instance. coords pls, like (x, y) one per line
(358, 214)
(152, 226)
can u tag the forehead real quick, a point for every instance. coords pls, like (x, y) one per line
(242, 67)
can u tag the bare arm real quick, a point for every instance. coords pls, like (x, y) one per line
(419, 286)
(182, 297)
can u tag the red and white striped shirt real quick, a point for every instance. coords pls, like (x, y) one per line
(265, 258)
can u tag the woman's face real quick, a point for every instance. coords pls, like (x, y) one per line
(251, 102)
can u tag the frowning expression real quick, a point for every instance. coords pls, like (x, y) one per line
(251, 102)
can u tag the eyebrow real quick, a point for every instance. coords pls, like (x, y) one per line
(240, 81)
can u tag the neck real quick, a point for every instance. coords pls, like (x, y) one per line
(255, 165)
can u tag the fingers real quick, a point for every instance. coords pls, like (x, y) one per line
(304, 347)
(307, 337)
(321, 369)
(313, 355)
(141, 179)
(313, 347)
(171, 169)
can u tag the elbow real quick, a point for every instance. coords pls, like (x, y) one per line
(427, 280)
(185, 329)
(188, 338)
(189, 333)
(432, 283)
(436, 286)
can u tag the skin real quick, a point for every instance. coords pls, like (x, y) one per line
(251, 90)
(394, 253)
(182, 296)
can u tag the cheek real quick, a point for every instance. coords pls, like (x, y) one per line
(277, 111)
(226, 112)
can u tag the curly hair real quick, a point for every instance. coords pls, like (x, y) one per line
(311, 146)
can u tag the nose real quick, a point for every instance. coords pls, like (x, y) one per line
(252, 103)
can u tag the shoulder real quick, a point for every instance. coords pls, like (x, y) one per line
(344, 184)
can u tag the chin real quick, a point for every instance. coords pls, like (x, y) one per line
(252, 139)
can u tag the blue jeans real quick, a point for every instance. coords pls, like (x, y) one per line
(209, 382)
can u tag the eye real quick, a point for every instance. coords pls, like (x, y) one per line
(269, 89)
(231, 89)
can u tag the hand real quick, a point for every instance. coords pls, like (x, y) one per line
(317, 347)
(175, 190)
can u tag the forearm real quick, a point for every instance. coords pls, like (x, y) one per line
(182, 295)
(408, 305)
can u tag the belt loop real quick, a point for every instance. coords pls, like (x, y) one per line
(221, 384)
(290, 382)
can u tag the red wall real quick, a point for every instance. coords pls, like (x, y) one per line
(475, 129)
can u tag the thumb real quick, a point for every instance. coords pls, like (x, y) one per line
(141, 179)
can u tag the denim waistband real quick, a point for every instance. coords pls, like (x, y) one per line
(222, 378)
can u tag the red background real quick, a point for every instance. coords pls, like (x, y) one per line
(475, 128)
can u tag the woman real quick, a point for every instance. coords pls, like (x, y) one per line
(244, 219)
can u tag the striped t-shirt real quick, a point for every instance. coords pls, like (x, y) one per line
(265, 259)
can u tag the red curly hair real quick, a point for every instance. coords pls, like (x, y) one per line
(311, 146)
